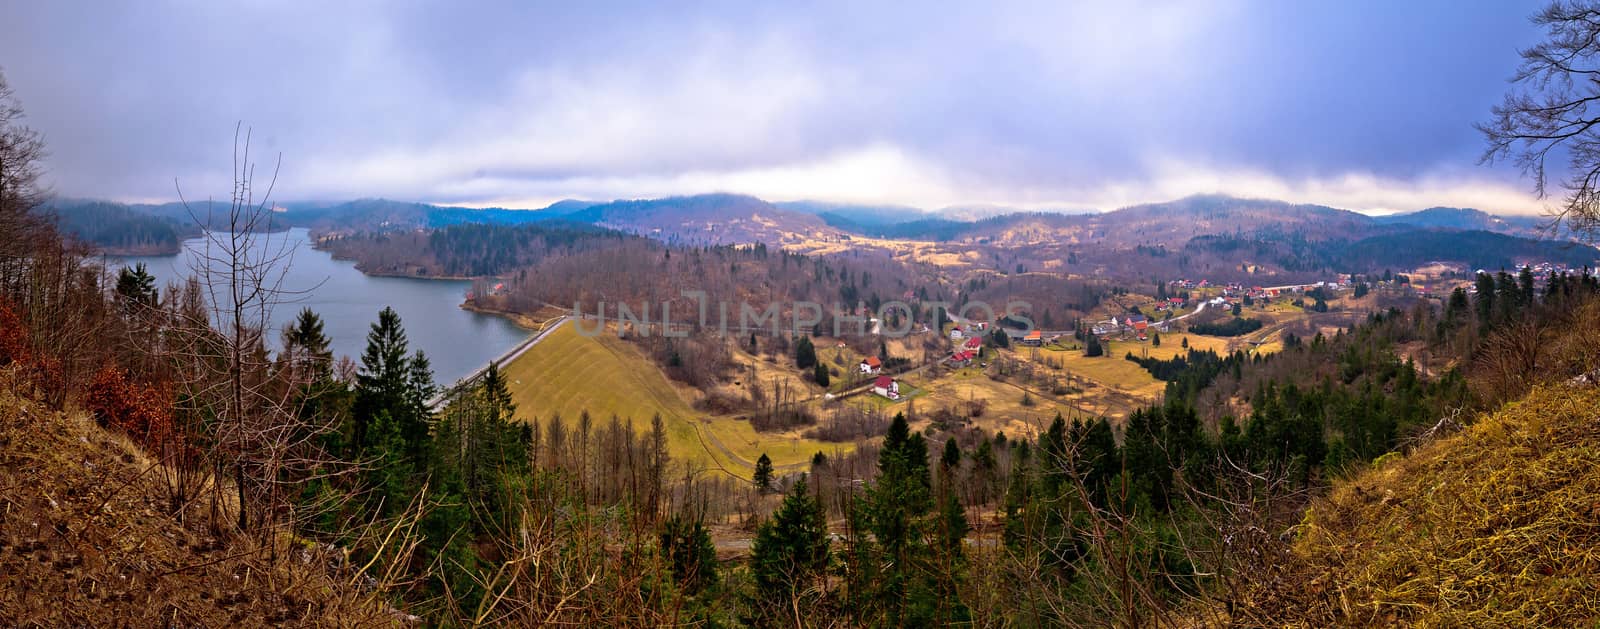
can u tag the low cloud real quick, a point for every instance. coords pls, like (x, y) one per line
(1045, 106)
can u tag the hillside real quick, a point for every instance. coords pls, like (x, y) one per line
(84, 542)
(1498, 525)
(569, 373)
(1464, 219)
(709, 219)
(119, 229)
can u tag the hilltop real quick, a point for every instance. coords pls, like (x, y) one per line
(1498, 525)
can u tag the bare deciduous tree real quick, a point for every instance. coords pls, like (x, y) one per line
(258, 437)
(1550, 115)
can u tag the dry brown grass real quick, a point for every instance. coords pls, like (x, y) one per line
(84, 542)
(1497, 526)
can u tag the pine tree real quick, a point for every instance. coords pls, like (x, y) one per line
(382, 382)
(951, 457)
(308, 346)
(1485, 300)
(1525, 286)
(820, 374)
(690, 553)
(419, 390)
(789, 550)
(763, 474)
(805, 354)
(136, 289)
(898, 507)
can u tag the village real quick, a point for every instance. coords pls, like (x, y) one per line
(981, 360)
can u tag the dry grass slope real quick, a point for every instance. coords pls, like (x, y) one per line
(1496, 526)
(570, 373)
(85, 543)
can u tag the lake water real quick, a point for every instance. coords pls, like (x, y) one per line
(456, 341)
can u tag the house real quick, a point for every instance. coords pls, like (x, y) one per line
(956, 333)
(1140, 326)
(1034, 338)
(974, 346)
(871, 365)
(960, 359)
(886, 387)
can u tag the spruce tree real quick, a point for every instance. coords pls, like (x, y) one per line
(136, 288)
(693, 558)
(308, 346)
(789, 550)
(805, 354)
(382, 382)
(898, 507)
(1484, 300)
(763, 474)
(820, 374)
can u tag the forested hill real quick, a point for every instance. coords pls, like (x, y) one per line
(115, 228)
(1207, 234)
(468, 249)
(1401, 249)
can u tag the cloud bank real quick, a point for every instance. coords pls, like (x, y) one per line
(1056, 105)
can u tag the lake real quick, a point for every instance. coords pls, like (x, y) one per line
(456, 341)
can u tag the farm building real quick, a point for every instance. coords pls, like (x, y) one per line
(871, 365)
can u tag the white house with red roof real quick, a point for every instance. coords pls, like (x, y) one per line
(886, 387)
(871, 365)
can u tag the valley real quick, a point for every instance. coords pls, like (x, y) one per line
(818, 316)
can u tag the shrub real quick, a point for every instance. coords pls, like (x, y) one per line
(140, 410)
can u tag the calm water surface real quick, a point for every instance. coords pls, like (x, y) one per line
(455, 340)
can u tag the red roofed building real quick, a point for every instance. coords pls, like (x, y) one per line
(886, 387)
(871, 365)
(974, 346)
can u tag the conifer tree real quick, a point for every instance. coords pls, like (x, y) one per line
(805, 354)
(899, 504)
(308, 346)
(136, 288)
(687, 544)
(789, 550)
(763, 474)
(382, 382)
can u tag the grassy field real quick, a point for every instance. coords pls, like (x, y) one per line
(569, 373)
(1003, 408)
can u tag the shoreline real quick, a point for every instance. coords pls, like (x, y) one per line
(317, 245)
(523, 321)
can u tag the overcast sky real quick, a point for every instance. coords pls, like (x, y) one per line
(1366, 105)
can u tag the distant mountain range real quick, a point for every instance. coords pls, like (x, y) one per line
(721, 219)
